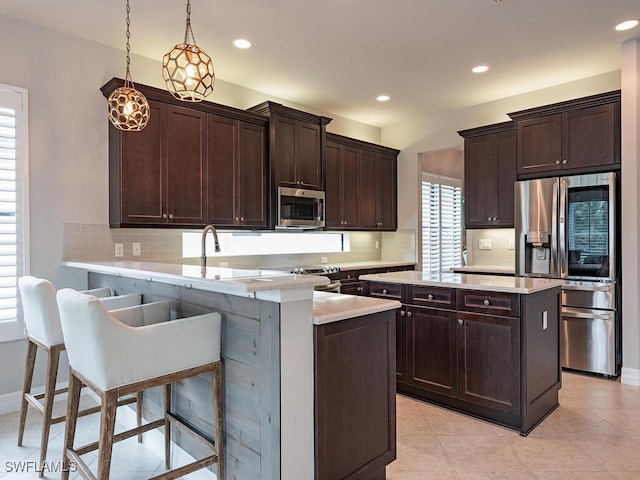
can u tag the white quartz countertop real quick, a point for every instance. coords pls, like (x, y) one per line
(226, 280)
(331, 307)
(496, 283)
(371, 264)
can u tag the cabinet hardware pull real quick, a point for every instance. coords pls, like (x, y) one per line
(429, 297)
(171, 215)
(237, 219)
(242, 219)
(164, 215)
(409, 314)
(402, 313)
(489, 219)
(557, 162)
(460, 321)
(359, 289)
(486, 303)
(384, 291)
(564, 162)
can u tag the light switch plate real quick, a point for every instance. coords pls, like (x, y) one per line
(135, 250)
(512, 244)
(119, 250)
(484, 244)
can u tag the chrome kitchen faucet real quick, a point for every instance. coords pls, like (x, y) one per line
(203, 257)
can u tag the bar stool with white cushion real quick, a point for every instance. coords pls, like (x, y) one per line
(42, 321)
(114, 358)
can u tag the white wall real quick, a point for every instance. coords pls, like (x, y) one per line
(630, 211)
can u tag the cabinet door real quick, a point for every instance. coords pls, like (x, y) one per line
(489, 361)
(142, 173)
(480, 185)
(387, 215)
(350, 205)
(588, 138)
(284, 161)
(252, 176)
(506, 177)
(309, 156)
(539, 144)
(333, 191)
(367, 191)
(186, 148)
(431, 343)
(222, 162)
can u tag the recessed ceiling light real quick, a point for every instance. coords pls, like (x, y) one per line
(241, 43)
(480, 69)
(629, 24)
(383, 98)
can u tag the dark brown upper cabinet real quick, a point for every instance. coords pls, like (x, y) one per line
(158, 176)
(489, 175)
(237, 173)
(576, 136)
(296, 142)
(191, 165)
(360, 185)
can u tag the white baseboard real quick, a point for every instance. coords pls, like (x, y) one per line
(10, 402)
(630, 376)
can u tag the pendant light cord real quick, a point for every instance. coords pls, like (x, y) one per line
(188, 30)
(127, 79)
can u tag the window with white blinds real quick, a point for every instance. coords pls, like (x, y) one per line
(13, 207)
(441, 223)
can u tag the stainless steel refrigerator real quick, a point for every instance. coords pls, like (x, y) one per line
(566, 228)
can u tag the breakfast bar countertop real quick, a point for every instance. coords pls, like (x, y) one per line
(226, 280)
(496, 283)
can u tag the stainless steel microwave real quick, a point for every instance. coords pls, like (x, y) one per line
(300, 209)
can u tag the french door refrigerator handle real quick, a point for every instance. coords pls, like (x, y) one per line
(563, 267)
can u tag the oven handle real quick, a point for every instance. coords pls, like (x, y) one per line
(594, 316)
(587, 288)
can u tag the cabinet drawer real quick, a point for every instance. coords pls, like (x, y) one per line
(394, 291)
(436, 297)
(495, 303)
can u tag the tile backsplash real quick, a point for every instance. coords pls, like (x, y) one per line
(495, 247)
(96, 242)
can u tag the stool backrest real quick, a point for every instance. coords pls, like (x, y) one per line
(40, 309)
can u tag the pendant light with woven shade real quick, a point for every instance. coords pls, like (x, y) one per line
(128, 108)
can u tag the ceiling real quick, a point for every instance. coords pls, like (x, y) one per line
(338, 55)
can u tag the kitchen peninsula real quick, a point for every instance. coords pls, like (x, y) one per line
(281, 347)
(485, 345)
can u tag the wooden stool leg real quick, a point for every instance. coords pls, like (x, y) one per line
(53, 358)
(218, 409)
(73, 403)
(32, 349)
(167, 426)
(107, 427)
(139, 413)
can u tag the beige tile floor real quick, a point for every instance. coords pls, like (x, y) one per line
(593, 435)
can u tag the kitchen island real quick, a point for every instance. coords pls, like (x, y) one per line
(269, 320)
(484, 345)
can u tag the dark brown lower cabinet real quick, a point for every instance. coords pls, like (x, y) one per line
(493, 355)
(355, 388)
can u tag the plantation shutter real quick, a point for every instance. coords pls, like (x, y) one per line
(441, 223)
(13, 205)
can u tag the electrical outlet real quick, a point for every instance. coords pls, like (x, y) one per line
(324, 260)
(223, 264)
(511, 244)
(484, 244)
(135, 250)
(119, 250)
(377, 244)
